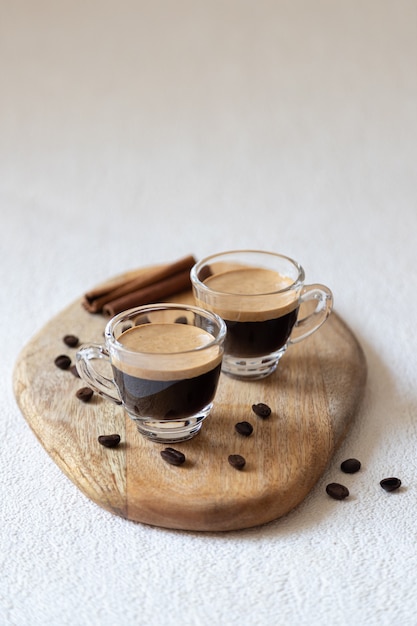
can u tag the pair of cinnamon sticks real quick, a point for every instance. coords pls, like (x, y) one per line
(140, 287)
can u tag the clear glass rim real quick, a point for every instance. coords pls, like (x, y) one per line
(163, 306)
(298, 282)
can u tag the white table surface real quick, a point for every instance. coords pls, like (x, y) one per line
(136, 132)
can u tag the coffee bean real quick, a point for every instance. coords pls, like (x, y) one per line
(337, 491)
(172, 456)
(204, 273)
(109, 441)
(74, 371)
(142, 319)
(390, 484)
(84, 394)
(237, 461)
(350, 466)
(181, 320)
(63, 361)
(244, 428)
(261, 410)
(71, 341)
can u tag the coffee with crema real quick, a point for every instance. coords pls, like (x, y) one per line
(261, 308)
(170, 388)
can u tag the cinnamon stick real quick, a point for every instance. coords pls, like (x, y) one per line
(140, 287)
(101, 290)
(98, 297)
(152, 293)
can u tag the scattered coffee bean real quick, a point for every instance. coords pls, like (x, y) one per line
(204, 273)
(142, 319)
(74, 371)
(109, 441)
(261, 410)
(337, 491)
(63, 361)
(237, 461)
(244, 428)
(172, 456)
(71, 341)
(350, 466)
(390, 484)
(84, 394)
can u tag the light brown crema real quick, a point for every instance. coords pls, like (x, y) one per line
(166, 352)
(249, 294)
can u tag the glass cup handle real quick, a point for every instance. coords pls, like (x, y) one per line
(313, 320)
(100, 383)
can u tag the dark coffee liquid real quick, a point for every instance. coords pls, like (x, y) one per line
(252, 339)
(257, 305)
(167, 399)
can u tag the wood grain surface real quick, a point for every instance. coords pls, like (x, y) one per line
(314, 395)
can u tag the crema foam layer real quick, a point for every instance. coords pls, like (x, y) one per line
(166, 352)
(250, 294)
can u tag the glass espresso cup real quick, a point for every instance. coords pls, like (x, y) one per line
(166, 361)
(258, 295)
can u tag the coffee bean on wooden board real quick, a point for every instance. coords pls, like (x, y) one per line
(172, 456)
(337, 491)
(63, 361)
(261, 410)
(237, 461)
(181, 320)
(84, 394)
(71, 341)
(350, 466)
(109, 441)
(244, 428)
(390, 484)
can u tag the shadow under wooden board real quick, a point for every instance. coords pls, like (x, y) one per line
(314, 395)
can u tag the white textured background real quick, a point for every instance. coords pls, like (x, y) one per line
(134, 132)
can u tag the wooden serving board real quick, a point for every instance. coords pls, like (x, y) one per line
(314, 395)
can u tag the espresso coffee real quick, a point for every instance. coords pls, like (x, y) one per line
(261, 309)
(172, 388)
(259, 295)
